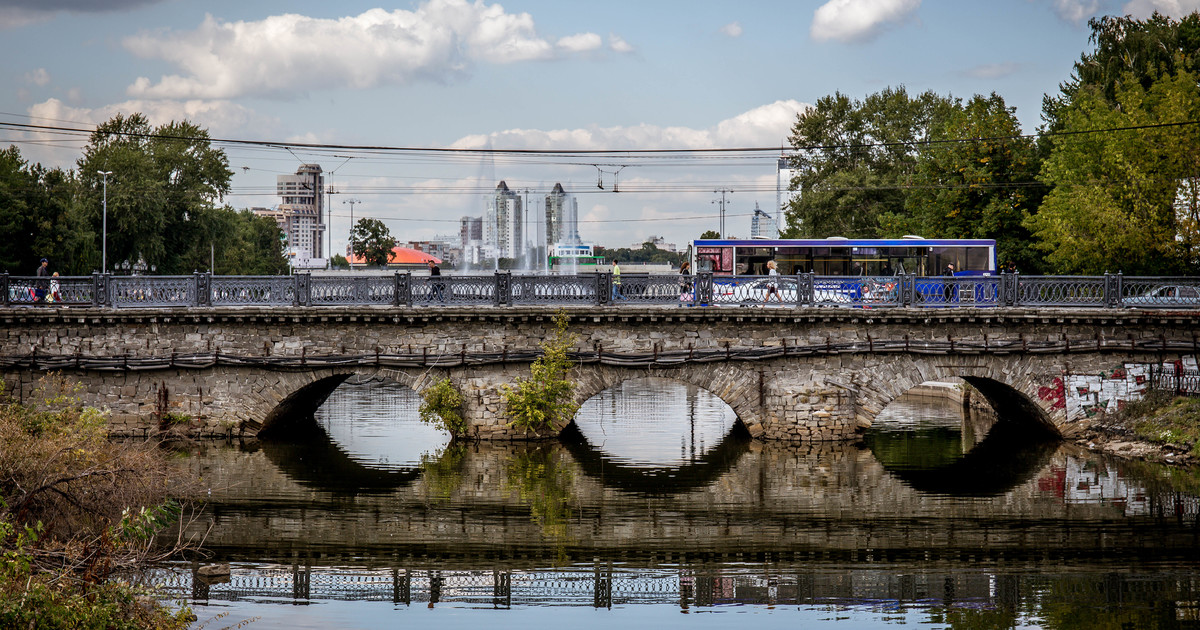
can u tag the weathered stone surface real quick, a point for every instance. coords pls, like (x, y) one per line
(815, 393)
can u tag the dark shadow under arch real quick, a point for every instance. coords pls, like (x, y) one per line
(1012, 406)
(660, 480)
(291, 417)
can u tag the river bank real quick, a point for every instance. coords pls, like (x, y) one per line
(1160, 428)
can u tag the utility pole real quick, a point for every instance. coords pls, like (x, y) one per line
(104, 225)
(723, 192)
(350, 241)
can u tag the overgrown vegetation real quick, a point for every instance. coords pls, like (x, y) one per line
(79, 512)
(545, 401)
(442, 406)
(1163, 418)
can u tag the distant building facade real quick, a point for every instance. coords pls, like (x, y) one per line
(659, 242)
(301, 215)
(762, 225)
(470, 233)
(562, 218)
(502, 225)
(783, 195)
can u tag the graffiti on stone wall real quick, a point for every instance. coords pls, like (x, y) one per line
(1085, 395)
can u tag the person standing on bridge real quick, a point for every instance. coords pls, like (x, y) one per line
(43, 283)
(616, 281)
(437, 287)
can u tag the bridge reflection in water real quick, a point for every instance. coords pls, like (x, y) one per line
(936, 524)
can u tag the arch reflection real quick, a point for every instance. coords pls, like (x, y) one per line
(655, 436)
(366, 437)
(938, 453)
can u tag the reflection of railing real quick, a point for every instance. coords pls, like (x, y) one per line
(685, 586)
(602, 289)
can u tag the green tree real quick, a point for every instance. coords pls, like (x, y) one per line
(710, 234)
(339, 262)
(545, 401)
(372, 241)
(1127, 49)
(163, 180)
(38, 217)
(854, 158)
(976, 178)
(1114, 203)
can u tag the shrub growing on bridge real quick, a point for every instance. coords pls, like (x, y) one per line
(442, 406)
(547, 397)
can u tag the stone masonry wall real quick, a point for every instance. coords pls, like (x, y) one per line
(814, 395)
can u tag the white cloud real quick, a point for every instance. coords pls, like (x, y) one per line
(993, 70)
(765, 126)
(617, 44)
(290, 54)
(859, 20)
(581, 43)
(1143, 9)
(1075, 11)
(733, 29)
(38, 77)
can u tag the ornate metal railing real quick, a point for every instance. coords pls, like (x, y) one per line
(600, 289)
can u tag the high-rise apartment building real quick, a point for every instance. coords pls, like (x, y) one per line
(502, 233)
(562, 218)
(301, 215)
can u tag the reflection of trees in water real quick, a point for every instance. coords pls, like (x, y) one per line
(542, 479)
(443, 471)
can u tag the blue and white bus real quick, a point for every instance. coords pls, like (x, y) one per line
(844, 257)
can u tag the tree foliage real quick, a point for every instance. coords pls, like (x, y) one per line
(853, 159)
(545, 400)
(163, 182)
(372, 241)
(1128, 49)
(647, 253)
(1113, 207)
(976, 178)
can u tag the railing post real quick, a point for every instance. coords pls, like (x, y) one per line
(4, 288)
(503, 288)
(805, 291)
(304, 289)
(704, 288)
(202, 285)
(101, 295)
(396, 289)
(908, 289)
(406, 293)
(1008, 289)
(600, 282)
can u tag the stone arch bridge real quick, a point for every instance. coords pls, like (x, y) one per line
(806, 374)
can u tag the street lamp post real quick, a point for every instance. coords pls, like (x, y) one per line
(104, 225)
(350, 242)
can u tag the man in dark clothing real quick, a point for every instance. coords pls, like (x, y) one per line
(43, 282)
(438, 286)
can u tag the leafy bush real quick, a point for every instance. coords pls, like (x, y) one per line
(545, 400)
(442, 407)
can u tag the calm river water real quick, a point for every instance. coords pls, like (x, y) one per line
(658, 512)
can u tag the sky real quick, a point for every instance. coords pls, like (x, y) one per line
(370, 88)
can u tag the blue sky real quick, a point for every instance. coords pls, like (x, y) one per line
(520, 74)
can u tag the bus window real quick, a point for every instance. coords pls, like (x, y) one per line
(792, 260)
(978, 259)
(939, 257)
(831, 261)
(752, 261)
(714, 259)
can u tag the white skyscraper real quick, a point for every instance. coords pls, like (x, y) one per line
(783, 180)
(562, 218)
(502, 233)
